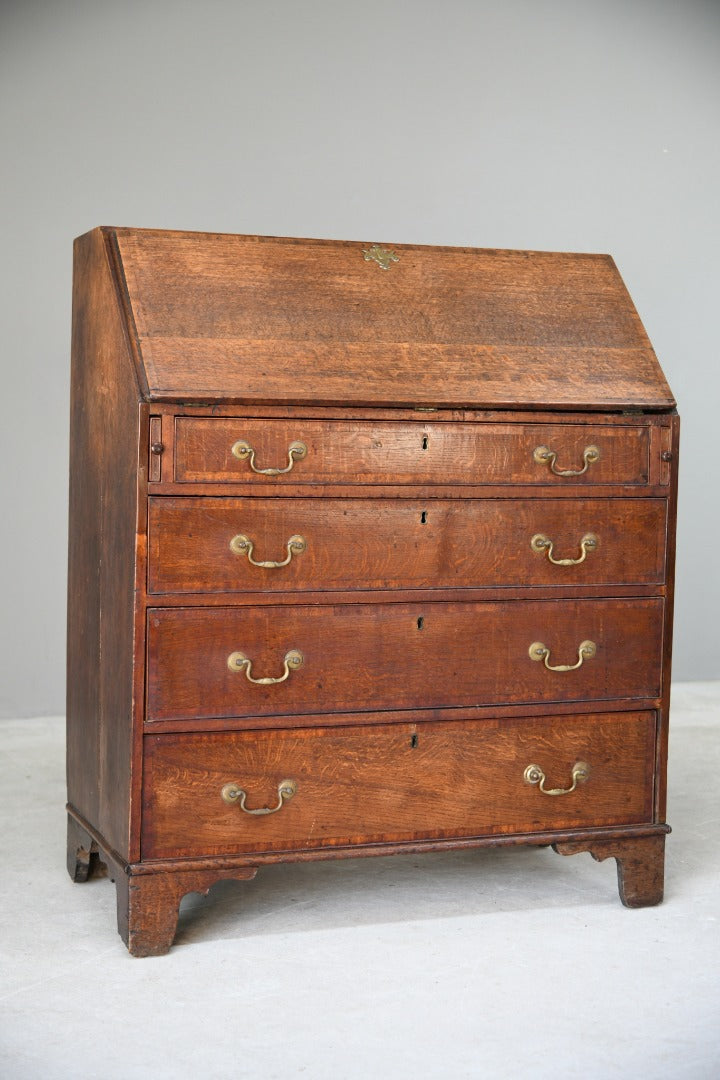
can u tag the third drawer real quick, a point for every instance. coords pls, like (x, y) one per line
(204, 662)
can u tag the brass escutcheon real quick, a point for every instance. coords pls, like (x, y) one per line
(534, 775)
(242, 545)
(381, 256)
(238, 661)
(540, 543)
(233, 793)
(544, 456)
(244, 451)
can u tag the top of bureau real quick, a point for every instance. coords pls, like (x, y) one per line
(263, 321)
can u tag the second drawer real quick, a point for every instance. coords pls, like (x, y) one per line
(265, 661)
(215, 544)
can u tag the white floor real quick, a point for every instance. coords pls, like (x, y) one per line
(510, 963)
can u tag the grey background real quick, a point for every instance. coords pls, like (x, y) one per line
(587, 125)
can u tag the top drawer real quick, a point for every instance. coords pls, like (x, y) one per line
(293, 452)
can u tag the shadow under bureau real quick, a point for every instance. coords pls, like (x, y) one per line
(370, 551)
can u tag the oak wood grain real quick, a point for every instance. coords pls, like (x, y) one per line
(395, 716)
(316, 321)
(291, 410)
(410, 453)
(640, 865)
(387, 544)
(104, 482)
(148, 905)
(421, 393)
(379, 784)
(394, 656)
(673, 455)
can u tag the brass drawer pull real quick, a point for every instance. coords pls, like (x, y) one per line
(243, 450)
(542, 455)
(233, 793)
(238, 661)
(535, 775)
(242, 545)
(540, 543)
(538, 651)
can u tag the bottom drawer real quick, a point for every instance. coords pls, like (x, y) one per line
(393, 783)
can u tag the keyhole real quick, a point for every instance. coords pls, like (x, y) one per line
(425, 442)
(413, 741)
(421, 622)
(423, 517)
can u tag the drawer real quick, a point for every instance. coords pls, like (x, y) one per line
(393, 783)
(365, 657)
(218, 450)
(393, 544)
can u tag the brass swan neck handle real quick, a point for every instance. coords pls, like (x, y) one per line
(233, 793)
(541, 543)
(245, 452)
(534, 775)
(238, 661)
(586, 651)
(243, 545)
(544, 456)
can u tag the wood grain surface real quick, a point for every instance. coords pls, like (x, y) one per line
(105, 434)
(391, 783)
(316, 321)
(148, 905)
(390, 544)
(421, 393)
(408, 453)
(365, 657)
(640, 865)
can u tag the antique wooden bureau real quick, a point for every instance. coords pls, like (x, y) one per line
(371, 551)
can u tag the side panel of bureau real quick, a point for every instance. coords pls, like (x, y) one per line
(105, 440)
(379, 784)
(672, 455)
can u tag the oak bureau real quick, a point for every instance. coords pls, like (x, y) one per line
(371, 551)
